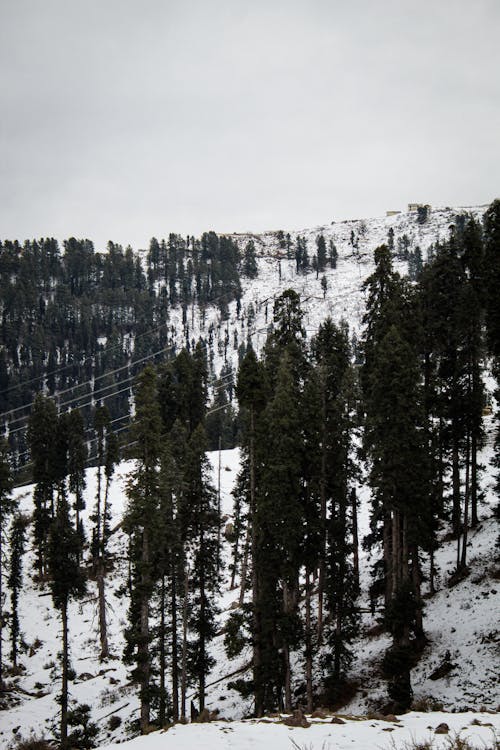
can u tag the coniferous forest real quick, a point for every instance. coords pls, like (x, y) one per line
(91, 373)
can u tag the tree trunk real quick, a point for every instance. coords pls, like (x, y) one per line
(103, 630)
(322, 490)
(288, 678)
(175, 665)
(388, 557)
(143, 647)
(244, 567)
(396, 551)
(355, 540)
(162, 708)
(432, 573)
(309, 651)
(456, 510)
(201, 635)
(184, 646)
(474, 481)
(64, 684)
(219, 510)
(236, 548)
(463, 559)
(417, 585)
(256, 614)
(98, 504)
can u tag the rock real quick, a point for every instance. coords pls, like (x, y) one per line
(442, 728)
(297, 720)
(85, 676)
(442, 670)
(336, 720)
(318, 714)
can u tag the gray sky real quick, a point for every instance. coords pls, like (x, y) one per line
(124, 119)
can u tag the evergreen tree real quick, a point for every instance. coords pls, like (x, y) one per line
(336, 476)
(15, 580)
(77, 456)
(139, 522)
(66, 582)
(278, 520)
(250, 268)
(251, 390)
(42, 431)
(202, 542)
(321, 253)
(398, 476)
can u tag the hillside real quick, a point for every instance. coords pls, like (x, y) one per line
(462, 620)
(458, 668)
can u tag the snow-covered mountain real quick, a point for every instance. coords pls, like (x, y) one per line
(461, 622)
(355, 241)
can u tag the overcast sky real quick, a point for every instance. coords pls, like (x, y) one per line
(124, 119)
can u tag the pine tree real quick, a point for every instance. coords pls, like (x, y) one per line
(15, 580)
(337, 475)
(250, 268)
(67, 582)
(321, 253)
(42, 431)
(398, 478)
(202, 543)
(279, 519)
(139, 522)
(77, 456)
(251, 390)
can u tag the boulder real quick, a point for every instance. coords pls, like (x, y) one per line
(442, 728)
(297, 720)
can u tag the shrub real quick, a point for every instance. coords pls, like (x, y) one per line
(114, 722)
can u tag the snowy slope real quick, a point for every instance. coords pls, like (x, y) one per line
(323, 735)
(462, 620)
(344, 297)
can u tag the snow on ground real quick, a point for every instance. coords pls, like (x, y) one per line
(322, 734)
(462, 620)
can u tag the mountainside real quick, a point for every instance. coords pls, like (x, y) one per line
(81, 324)
(461, 622)
(457, 667)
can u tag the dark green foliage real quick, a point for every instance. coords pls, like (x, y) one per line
(66, 578)
(67, 582)
(422, 214)
(77, 457)
(235, 640)
(321, 253)
(203, 525)
(15, 579)
(42, 434)
(333, 254)
(84, 731)
(69, 318)
(249, 267)
(492, 276)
